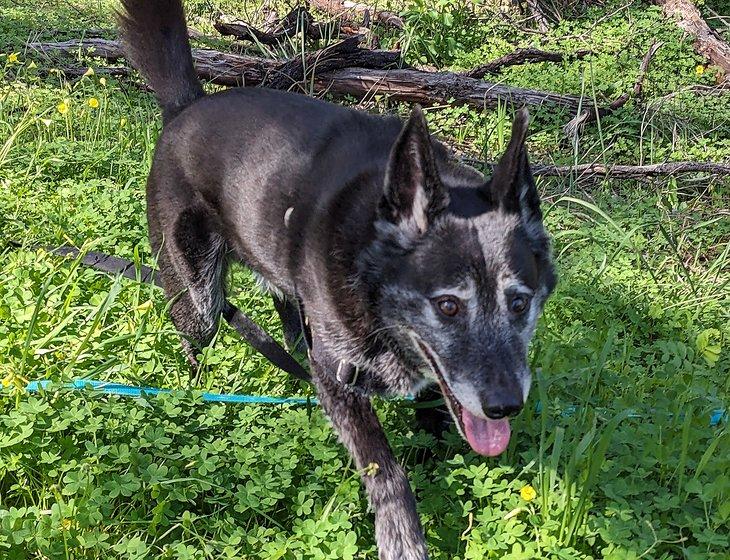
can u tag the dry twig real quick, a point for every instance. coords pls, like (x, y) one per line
(589, 115)
(522, 56)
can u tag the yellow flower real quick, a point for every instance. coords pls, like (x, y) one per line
(93, 102)
(12, 379)
(89, 72)
(528, 493)
(699, 70)
(62, 107)
(13, 58)
(102, 81)
(66, 523)
(144, 307)
(372, 469)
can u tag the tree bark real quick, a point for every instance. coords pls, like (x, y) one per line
(708, 43)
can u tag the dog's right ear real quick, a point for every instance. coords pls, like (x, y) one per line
(414, 194)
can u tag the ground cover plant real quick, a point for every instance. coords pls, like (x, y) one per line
(619, 460)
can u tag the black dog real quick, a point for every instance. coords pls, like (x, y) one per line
(411, 268)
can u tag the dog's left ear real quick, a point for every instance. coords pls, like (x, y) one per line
(512, 185)
(414, 194)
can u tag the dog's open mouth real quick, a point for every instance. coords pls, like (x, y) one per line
(486, 436)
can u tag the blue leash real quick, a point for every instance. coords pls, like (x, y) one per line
(716, 417)
(132, 391)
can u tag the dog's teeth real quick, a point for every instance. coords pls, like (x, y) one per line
(287, 215)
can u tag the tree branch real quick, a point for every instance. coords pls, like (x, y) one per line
(522, 56)
(589, 115)
(625, 172)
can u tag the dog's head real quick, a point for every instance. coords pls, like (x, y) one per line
(460, 272)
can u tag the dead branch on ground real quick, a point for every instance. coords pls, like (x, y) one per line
(641, 172)
(522, 56)
(598, 171)
(589, 115)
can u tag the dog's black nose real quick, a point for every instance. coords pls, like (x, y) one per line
(503, 406)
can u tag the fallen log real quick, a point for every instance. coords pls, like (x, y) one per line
(346, 10)
(356, 72)
(708, 43)
(428, 88)
(231, 69)
(522, 56)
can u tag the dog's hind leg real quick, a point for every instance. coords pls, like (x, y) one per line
(192, 267)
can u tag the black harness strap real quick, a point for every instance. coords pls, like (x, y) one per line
(249, 330)
(107, 263)
(262, 342)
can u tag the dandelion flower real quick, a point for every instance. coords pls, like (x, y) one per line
(102, 81)
(699, 70)
(89, 71)
(62, 107)
(93, 102)
(13, 58)
(528, 493)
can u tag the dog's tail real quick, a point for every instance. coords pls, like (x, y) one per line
(155, 40)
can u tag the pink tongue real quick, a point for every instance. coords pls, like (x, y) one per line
(486, 437)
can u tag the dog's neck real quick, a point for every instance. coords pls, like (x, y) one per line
(355, 335)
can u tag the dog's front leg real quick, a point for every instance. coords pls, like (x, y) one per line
(398, 530)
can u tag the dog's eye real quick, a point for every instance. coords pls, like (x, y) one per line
(519, 304)
(448, 305)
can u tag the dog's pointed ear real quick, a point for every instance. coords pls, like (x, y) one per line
(512, 185)
(414, 194)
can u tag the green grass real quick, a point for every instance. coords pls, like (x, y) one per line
(635, 337)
